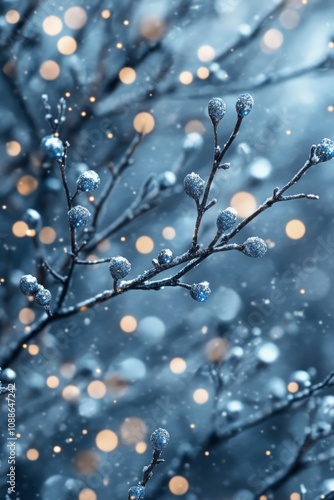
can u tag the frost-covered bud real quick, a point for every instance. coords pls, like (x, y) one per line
(167, 179)
(32, 218)
(244, 105)
(255, 247)
(216, 109)
(52, 146)
(233, 409)
(28, 284)
(193, 185)
(159, 439)
(226, 218)
(119, 267)
(43, 296)
(192, 142)
(78, 216)
(88, 181)
(200, 291)
(325, 150)
(165, 256)
(136, 493)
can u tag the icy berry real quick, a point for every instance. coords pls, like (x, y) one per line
(28, 284)
(325, 150)
(88, 181)
(136, 493)
(32, 218)
(193, 185)
(52, 146)
(78, 216)
(159, 439)
(165, 256)
(216, 109)
(119, 267)
(43, 296)
(200, 291)
(226, 218)
(166, 179)
(244, 105)
(192, 142)
(255, 247)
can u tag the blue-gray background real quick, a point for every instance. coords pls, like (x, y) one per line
(292, 85)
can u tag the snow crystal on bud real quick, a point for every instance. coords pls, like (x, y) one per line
(200, 291)
(88, 181)
(165, 256)
(78, 216)
(28, 284)
(43, 296)
(52, 146)
(167, 179)
(193, 142)
(216, 109)
(244, 105)
(255, 247)
(159, 439)
(119, 267)
(226, 218)
(193, 185)
(136, 493)
(325, 150)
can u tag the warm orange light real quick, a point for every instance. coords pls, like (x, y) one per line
(177, 365)
(144, 123)
(186, 77)
(47, 235)
(57, 449)
(20, 229)
(194, 126)
(106, 14)
(75, 17)
(52, 381)
(32, 454)
(216, 349)
(96, 389)
(152, 27)
(141, 447)
(71, 393)
(26, 316)
(12, 16)
(106, 440)
(295, 229)
(13, 148)
(67, 45)
(133, 430)
(49, 70)
(33, 349)
(128, 324)
(87, 494)
(144, 244)
(244, 203)
(168, 233)
(206, 53)
(26, 185)
(127, 75)
(178, 485)
(203, 72)
(293, 387)
(272, 39)
(52, 25)
(201, 396)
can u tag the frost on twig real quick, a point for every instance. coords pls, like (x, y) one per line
(86, 233)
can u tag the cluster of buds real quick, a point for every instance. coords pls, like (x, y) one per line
(159, 440)
(30, 286)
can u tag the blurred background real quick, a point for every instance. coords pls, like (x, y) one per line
(92, 388)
